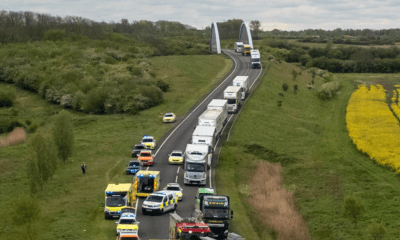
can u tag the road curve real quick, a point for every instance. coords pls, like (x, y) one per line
(156, 227)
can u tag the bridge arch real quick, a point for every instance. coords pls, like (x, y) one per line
(215, 45)
(245, 35)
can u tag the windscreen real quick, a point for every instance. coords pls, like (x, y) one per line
(129, 238)
(127, 221)
(116, 201)
(216, 213)
(176, 155)
(231, 101)
(255, 60)
(147, 140)
(173, 188)
(145, 154)
(153, 198)
(168, 115)
(197, 153)
(139, 147)
(136, 164)
(195, 167)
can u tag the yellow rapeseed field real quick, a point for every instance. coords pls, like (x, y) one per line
(372, 126)
(395, 106)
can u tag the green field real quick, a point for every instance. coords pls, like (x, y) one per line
(71, 203)
(321, 165)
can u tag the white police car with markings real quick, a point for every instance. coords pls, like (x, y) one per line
(160, 202)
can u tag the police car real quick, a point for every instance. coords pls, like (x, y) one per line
(174, 187)
(127, 223)
(149, 142)
(160, 202)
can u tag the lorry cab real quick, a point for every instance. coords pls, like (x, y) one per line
(160, 202)
(146, 182)
(255, 59)
(246, 50)
(216, 212)
(117, 197)
(234, 96)
(201, 192)
(238, 47)
(198, 160)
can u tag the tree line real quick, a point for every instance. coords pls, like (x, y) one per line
(342, 59)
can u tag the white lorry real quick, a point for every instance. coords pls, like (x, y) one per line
(255, 58)
(213, 118)
(220, 105)
(243, 82)
(197, 163)
(234, 96)
(238, 47)
(204, 135)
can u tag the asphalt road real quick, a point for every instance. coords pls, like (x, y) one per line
(156, 227)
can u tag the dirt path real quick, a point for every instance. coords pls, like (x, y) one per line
(275, 204)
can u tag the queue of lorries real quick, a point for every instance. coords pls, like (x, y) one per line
(214, 210)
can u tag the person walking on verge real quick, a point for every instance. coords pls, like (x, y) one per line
(83, 167)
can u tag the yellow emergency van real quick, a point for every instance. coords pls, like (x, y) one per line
(118, 196)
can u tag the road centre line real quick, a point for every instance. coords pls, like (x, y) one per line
(178, 169)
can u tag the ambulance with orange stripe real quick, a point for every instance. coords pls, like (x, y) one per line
(146, 182)
(160, 202)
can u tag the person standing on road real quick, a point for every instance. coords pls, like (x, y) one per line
(83, 167)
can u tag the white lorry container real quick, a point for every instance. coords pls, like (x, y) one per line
(243, 82)
(213, 118)
(238, 47)
(221, 105)
(204, 135)
(197, 163)
(234, 96)
(255, 58)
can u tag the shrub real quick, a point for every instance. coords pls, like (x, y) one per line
(285, 87)
(54, 35)
(94, 101)
(7, 97)
(327, 90)
(163, 85)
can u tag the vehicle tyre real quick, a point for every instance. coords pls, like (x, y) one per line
(144, 212)
(162, 211)
(175, 207)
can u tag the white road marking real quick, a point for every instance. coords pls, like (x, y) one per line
(178, 169)
(176, 180)
(147, 169)
(210, 176)
(137, 201)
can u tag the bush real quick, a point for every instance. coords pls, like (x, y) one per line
(285, 87)
(95, 101)
(327, 90)
(163, 85)
(7, 98)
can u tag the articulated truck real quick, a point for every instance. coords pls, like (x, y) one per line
(238, 47)
(234, 96)
(213, 118)
(246, 50)
(255, 59)
(197, 163)
(216, 213)
(243, 82)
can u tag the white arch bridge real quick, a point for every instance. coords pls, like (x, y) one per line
(244, 36)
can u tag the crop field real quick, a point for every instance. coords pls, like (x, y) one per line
(71, 203)
(308, 163)
(323, 45)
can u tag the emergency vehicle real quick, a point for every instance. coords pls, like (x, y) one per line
(146, 157)
(185, 228)
(146, 182)
(128, 236)
(117, 197)
(148, 141)
(127, 223)
(160, 202)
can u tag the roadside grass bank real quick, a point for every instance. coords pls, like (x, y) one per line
(71, 203)
(320, 164)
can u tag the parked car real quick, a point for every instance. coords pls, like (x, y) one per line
(136, 149)
(133, 167)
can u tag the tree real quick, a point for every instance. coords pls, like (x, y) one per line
(35, 181)
(25, 212)
(376, 230)
(42, 154)
(63, 135)
(294, 74)
(353, 208)
(255, 27)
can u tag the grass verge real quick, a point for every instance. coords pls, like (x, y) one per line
(71, 203)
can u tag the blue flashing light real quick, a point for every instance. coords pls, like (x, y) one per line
(119, 212)
(140, 175)
(152, 176)
(146, 136)
(109, 192)
(163, 193)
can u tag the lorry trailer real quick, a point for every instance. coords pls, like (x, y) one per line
(213, 118)
(238, 47)
(243, 82)
(220, 105)
(204, 135)
(234, 96)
